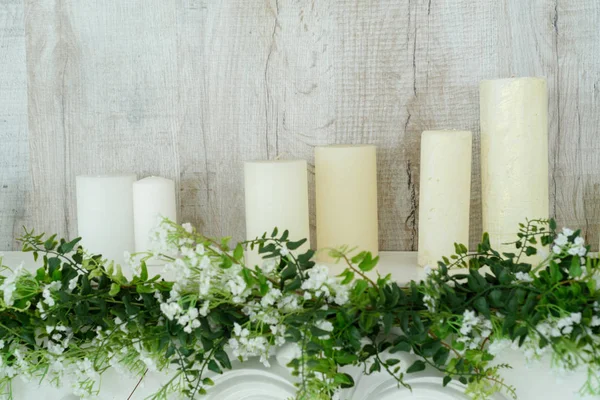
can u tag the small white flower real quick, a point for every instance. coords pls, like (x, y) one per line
(170, 310)
(595, 322)
(567, 232)
(523, 276)
(239, 331)
(270, 298)
(325, 326)
(1, 344)
(497, 346)
(427, 270)
(561, 240)
(204, 308)
(576, 317)
(269, 265)
(128, 258)
(73, 283)
(284, 251)
(187, 227)
(579, 241)
(556, 250)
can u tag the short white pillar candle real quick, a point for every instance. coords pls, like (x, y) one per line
(276, 196)
(445, 194)
(105, 214)
(346, 191)
(153, 198)
(514, 155)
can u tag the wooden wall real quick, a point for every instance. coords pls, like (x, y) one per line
(189, 89)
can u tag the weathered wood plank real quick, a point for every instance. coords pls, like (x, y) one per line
(300, 73)
(102, 97)
(15, 184)
(237, 38)
(576, 162)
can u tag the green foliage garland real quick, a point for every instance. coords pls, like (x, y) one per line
(78, 315)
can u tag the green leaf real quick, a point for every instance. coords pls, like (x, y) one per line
(392, 361)
(496, 297)
(441, 356)
(226, 262)
(447, 380)
(575, 269)
(376, 367)
(293, 285)
(402, 344)
(115, 288)
(346, 358)
(368, 263)
(144, 271)
(69, 246)
(238, 253)
(295, 245)
(50, 244)
(348, 277)
(248, 277)
(289, 272)
(144, 289)
(53, 264)
(481, 305)
(485, 242)
(430, 348)
(40, 274)
(359, 287)
(318, 332)
(388, 322)
(208, 382)
(344, 380)
(529, 251)
(214, 367)
(555, 273)
(417, 366)
(223, 359)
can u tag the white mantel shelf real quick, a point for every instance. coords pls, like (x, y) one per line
(252, 381)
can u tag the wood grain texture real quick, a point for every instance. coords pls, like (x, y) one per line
(576, 162)
(15, 184)
(189, 89)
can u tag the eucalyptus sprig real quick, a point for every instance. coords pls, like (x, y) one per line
(79, 315)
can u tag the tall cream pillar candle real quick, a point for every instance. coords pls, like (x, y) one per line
(276, 196)
(445, 194)
(105, 214)
(153, 198)
(514, 155)
(346, 190)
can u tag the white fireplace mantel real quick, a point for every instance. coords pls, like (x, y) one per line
(252, 381)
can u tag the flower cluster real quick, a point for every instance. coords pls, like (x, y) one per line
(569, 242)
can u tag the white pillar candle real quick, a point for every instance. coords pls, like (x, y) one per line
(105, 214)
(346, 191)
(514, 155)
(445, 194)
(276, 196)
(153, 198)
